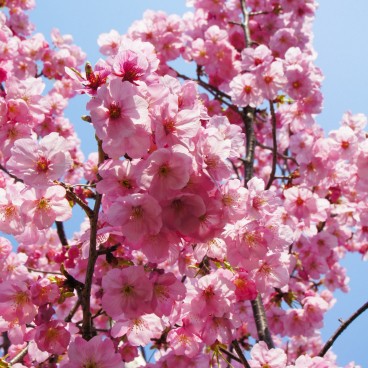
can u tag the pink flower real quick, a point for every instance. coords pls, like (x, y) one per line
(260, 201)
(15, 302)
(52, 337)
(127, 292)
(264, 357)
(244, 91)
(117, 112)
(256, 59)
(166, 171)
(183, 213)
(39, 163)
(172, 126)
(271, 80)
(167, 289)
(130, 66)
(184, 341)
(137, 214)
(270, 271)
(109, 42)
(44, 206)
(99, 352)
(11, 219)
(305, 205)
(118, 178)
(215, 293)
(140, 330)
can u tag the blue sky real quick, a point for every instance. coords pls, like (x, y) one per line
(340, 40)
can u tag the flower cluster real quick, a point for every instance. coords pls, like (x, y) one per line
(206, 200)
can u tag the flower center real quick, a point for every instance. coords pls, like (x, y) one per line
(137, 212)
(169, 126)
(42, 165)
(43, 204)
(20, 298)
(164, 170)
(114, 111)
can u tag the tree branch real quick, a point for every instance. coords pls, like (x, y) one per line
(213, 90)
(73, 197)
(19, 357)
(274, 148)
(16, 179)
(342, 328)
(87, 325)
(240, 354)
(70, 316)
(230, 354)
(261, 321)
(61, 233)
(285, 157)
(248, 118)
(245, 23)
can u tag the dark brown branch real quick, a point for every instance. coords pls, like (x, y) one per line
(61, 233)
(274, 148)
(342, 328)
(71, 281)
(281, 155)
(87, 325)
(6, 343)
(213, 90)
(261, 321)
(111, 249)
(240, 354)
(230, 355)
(16, 179)
(70, 195)
(248, 118)
(70, 316)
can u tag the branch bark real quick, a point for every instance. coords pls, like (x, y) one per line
(248, 118)
(274, 147)
(342, 328)
(87, 324)
(61, 233)
(240, 354)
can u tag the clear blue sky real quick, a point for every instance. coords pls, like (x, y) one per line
(340, 40)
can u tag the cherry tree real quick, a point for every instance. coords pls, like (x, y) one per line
(216, 209)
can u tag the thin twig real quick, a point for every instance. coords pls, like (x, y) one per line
(230, 355)
(213, 90)
(72, 312)
(261, 12)
(274, 148)
(240, 354)
(44, 272)
(19, 357)
(16, 179)
(72, 196)
(342, 328)
(281, 155)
